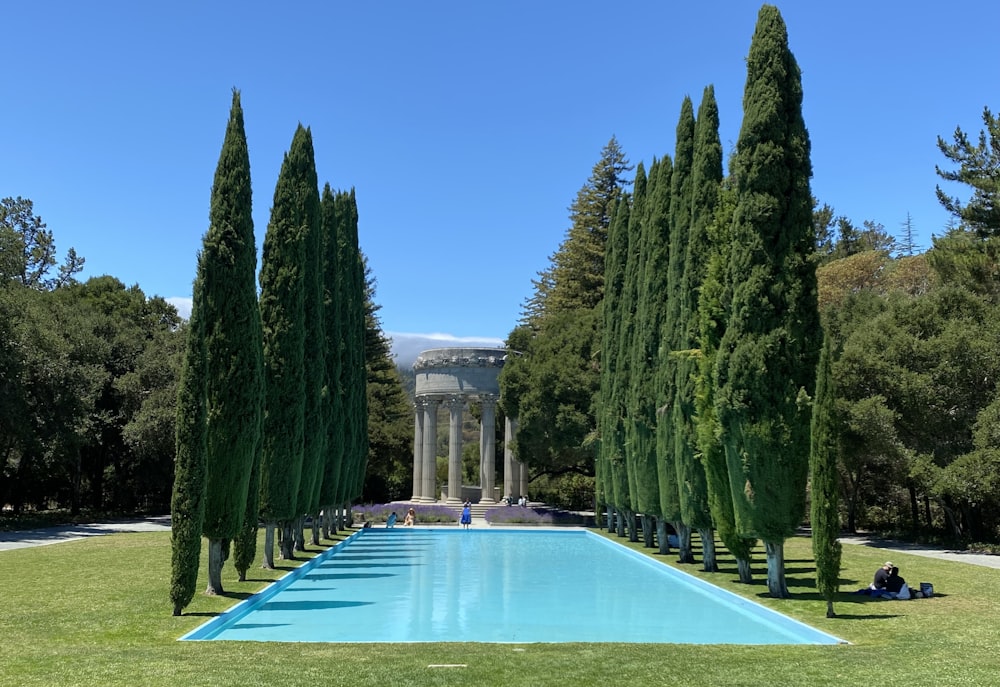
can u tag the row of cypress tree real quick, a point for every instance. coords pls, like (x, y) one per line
(271, 409)
(711, 333)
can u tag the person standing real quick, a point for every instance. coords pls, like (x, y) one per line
(466, 515)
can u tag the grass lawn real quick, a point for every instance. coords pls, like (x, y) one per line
(96, 612)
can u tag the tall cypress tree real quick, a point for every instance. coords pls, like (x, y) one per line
(679, 221)
(627, 331)
(353, 371)
(824, 504)
(282, 309)
(645, 344)
(609, 411)
(187, 505)
(766, 366)
(706, 175)
(334, 420)
(233, 369)
(314, 437)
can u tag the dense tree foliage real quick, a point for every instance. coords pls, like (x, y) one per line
(233, 368)
(282, 307)
(824, 511)
(767, 359)
(978, 168)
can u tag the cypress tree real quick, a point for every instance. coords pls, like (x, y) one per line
(231, 320)
(314, 436)
(679, 221)
(766, 365)
(609, 414)
(706, 175)
(187, 505)
(644, 346)
(824, 505)
(627, 331)
(282, 309)
(713, 313)
(354, 374)
(334, 420)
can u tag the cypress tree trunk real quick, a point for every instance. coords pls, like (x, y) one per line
(287, 544)
(300, 533)
(269, 528)
(662, 539)
(776, 586)
(708, 559)
(648, 523)
(633, 530)
(315, 528)
(216, 558)
(744, 570)
(684, 554)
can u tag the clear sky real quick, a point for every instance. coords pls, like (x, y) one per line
(465, 126)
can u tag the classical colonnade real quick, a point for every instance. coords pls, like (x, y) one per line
(454, 378)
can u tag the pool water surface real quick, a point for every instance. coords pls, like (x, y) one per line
(496, 585)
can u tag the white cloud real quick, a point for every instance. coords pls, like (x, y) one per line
(407, 346)
(183, 305)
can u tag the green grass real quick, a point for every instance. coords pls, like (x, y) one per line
(96, 612)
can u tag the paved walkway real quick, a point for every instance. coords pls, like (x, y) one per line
(984, 560)
(61, 533)
(54, 535)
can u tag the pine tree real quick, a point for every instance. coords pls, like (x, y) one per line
(577, 272)
(706, 175)
(187, 505)
(824, 505)
(282, 309)
(233, 369)
(979, 168)
(766, 365)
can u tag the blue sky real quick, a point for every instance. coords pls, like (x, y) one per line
(466, 127)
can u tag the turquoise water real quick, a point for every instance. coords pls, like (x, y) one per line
(518, 585)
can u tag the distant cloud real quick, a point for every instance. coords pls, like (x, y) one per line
(182, 303)
(406, 346)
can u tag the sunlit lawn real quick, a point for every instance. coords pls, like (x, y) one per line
(96, 612)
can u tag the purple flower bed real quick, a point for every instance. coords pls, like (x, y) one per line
(514, 515)
(426, 514)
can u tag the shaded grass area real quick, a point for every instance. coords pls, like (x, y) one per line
(96, 612)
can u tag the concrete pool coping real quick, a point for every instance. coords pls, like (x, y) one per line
(209, 630)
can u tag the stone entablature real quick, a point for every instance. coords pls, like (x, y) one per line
(467, 372)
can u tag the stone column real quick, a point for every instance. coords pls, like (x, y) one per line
(487, 448)
(418, 449)
(428, 475)
(455, 404)
(511, 471)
